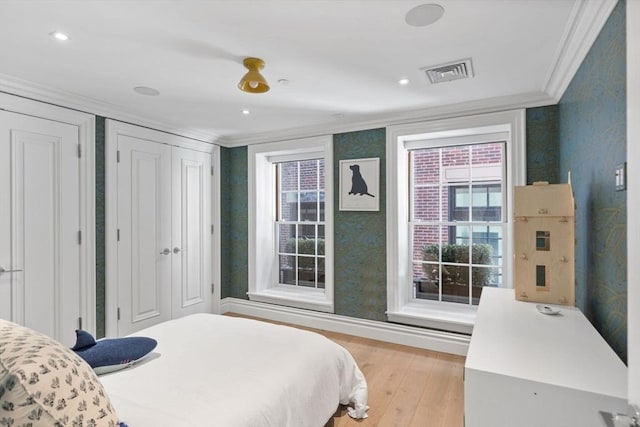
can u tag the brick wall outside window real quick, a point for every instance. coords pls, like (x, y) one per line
(428, 167)
(301, 186)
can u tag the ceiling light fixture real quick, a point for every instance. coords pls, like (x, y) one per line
(60, 36)
(403, 82)
(246, 112)
(253, 82)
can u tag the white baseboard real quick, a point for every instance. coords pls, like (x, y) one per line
(445, 342)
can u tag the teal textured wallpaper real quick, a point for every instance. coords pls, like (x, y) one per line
(543, 160)
(234, 222)
(592, 142)
(100, 230)
(360, 237)
(360, 264)
(584, 134)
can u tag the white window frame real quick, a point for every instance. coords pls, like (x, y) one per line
(401, 307)
(263, 260)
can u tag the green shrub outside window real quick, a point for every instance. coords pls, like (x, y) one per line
(307, 247)
(481, 253)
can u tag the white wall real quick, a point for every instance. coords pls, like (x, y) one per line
(633, 196)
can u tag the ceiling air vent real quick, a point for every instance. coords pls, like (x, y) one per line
(451, 71)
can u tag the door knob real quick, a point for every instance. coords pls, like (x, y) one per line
(165, 251)
(2, 270)
(176, 250)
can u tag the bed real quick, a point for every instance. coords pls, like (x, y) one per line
(217, 371)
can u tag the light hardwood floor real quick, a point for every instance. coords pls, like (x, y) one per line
(408, 387)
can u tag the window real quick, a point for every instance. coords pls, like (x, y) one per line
(291, 223)
(449, 227)
(456, 220)
(487, 206)
(300, 223)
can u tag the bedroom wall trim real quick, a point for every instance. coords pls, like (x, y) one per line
(586, 22)
(587, 19)
(489, 105)
(38, 92)
(216, 244)
(445, 342)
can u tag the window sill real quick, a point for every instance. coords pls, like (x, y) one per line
(443, 316)
(308, 299)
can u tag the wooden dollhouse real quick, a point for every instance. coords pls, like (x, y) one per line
(544, 243)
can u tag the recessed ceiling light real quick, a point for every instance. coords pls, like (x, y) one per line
(423, 15)
(246, 112)
(147, 91)
(403, 82)
(60, 36)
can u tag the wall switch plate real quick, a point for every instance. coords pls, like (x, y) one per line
(621, 177)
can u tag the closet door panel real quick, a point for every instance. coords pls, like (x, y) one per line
(191, 232)
(159, 206)
(40, 224)
(144, 221)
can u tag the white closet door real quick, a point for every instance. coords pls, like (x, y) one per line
(40, 224)
(144, 228)
(191, 232)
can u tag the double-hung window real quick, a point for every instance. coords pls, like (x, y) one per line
(300, 222)
(456, 225)
(291, 223)
(449, 227)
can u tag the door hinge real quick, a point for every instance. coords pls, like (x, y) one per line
(211, 170)
(213, 287)
(118, 313)
(79, 237)
(118, 233)
(79, 322)
(79, 151)
(211, 228)
(118, 156)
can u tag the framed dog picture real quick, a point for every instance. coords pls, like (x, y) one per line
(360, 184)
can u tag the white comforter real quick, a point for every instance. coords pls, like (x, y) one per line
(218, 371)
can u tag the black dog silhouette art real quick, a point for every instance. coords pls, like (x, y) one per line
(358, 184)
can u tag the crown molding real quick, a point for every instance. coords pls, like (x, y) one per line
(26, 89)
(446, 342)
(22, 88)
(481, 106)
(585, 23)
(583, 27)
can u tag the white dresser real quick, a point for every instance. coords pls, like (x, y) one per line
(528, 369)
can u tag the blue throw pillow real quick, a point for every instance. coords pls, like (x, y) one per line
(108, 355)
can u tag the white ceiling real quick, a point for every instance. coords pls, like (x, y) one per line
(343, 59)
